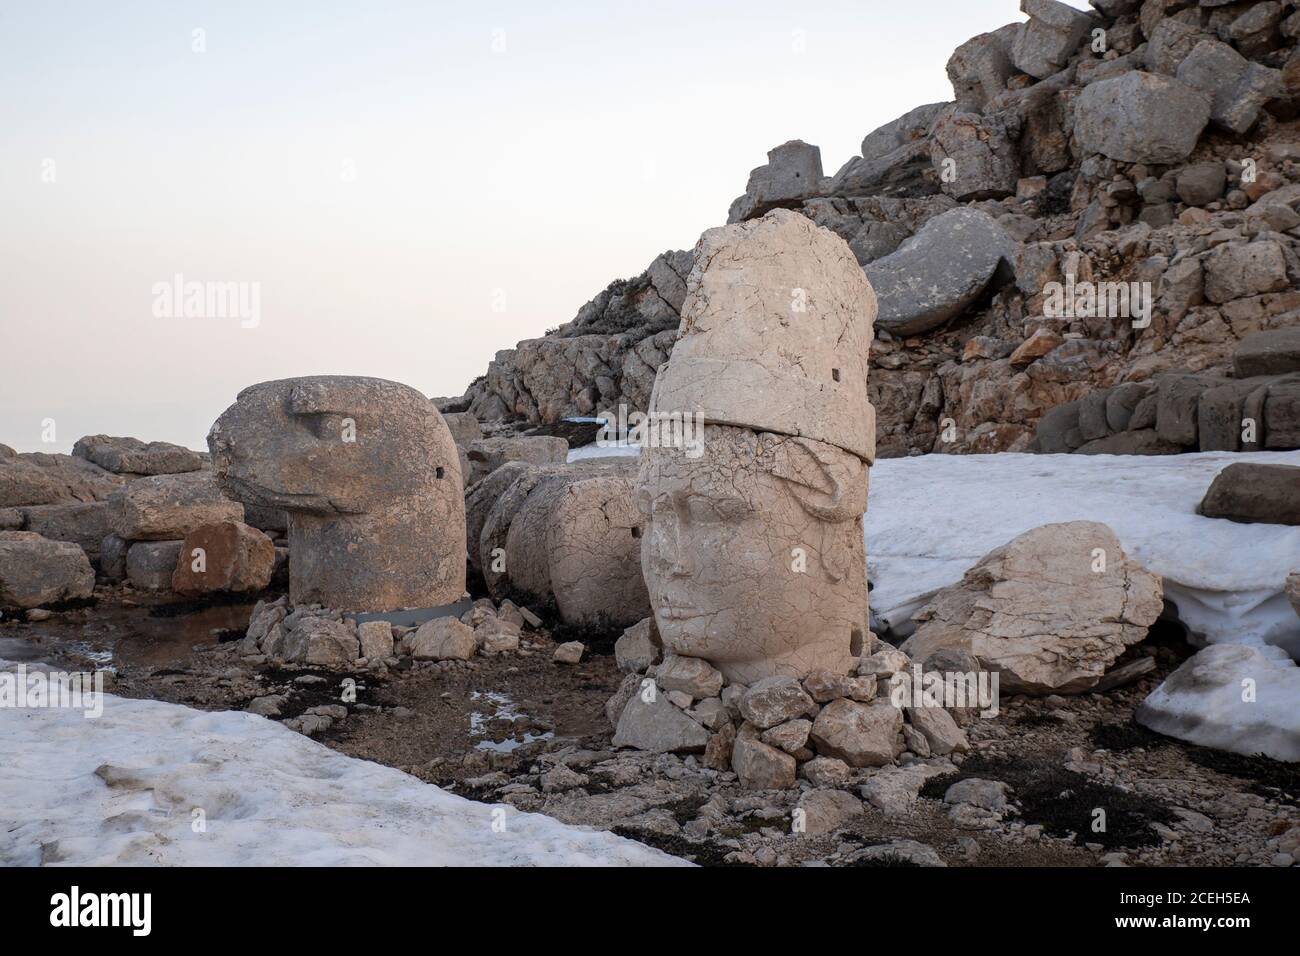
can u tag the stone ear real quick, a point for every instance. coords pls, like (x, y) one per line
(829, 484)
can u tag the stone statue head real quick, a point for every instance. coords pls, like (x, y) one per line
(369, 475)
(752, 551)
(753, 554)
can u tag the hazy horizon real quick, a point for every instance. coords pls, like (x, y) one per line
(407, 188)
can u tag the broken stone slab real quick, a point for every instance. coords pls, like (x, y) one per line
(758, 765)
(908, 852)
(228, 556)
(980, 67)
(151, 564)
(1141, 118)
(1178, 399)
(1250, 492)
(656, 725)
(130, 456)
(791, 736)
(862, 735)
(1204, 702)
(1054, 32)
(1050, 610)
(1124, 674)
(939, 272)
(1274, 352)
(168, 507)
(36, 571)
(414, 617)
(370, 477)
(84, 523)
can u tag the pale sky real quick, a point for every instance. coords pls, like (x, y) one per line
(408, 187)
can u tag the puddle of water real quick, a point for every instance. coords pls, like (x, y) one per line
(504, 711)
(111, 636)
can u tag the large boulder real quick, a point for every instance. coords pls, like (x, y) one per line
(1141, 118)
(1230, 697)
(1045, 44)
(940, 271)
(980, 67)
(1250, 492)
(130, 456)
(1239, 88)
(36, 571)
(38, 478)
(168, 507)
(84, 523)
(1050, 610)
(1237, 270)
(227, 556)
(895, 158)
(981, 153)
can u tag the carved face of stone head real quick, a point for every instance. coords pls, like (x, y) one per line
(753, 553)
(332, 445)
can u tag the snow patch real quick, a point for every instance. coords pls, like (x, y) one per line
(123, 789)
(931, 517)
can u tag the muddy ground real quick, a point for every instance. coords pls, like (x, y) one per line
(527, 731)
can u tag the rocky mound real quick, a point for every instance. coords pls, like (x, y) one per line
(1132, 177)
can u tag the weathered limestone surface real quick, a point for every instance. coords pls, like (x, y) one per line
(130, 456)
(370, 477)
(1050, 610)
(752, 551)
(168, 507)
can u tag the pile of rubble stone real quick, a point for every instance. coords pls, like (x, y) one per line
(1148, 141)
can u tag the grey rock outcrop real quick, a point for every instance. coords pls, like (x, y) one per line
(36, 571)
(939, 272)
